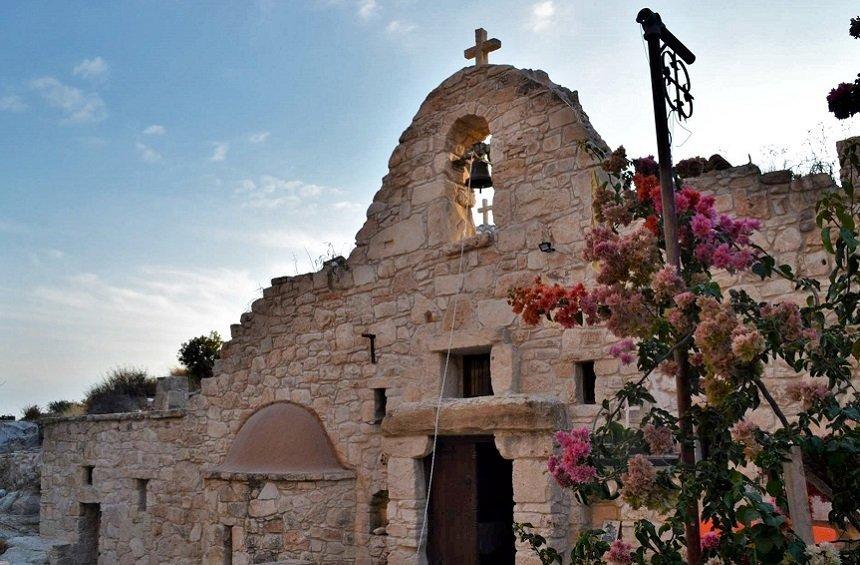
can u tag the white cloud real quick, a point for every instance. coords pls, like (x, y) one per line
(348, 206)
(542, 16)
(399, 27)
(154, 298)
(259, 137)
(12, 103)
(79, 107)
(147, 153)
(367, 8)
(90, 68)
(219, 153)
(315, 244)
(91, 323)
(270, 192)
(155, 129)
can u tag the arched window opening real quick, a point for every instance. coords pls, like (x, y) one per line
(480, 180)
(469, 145)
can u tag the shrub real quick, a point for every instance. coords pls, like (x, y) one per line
(7, 418)
(122, 390)
(59, 406)
(3, 546)
(32, 413)
(65, 408)
(198, 355)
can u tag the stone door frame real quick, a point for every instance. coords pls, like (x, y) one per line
(537, 498)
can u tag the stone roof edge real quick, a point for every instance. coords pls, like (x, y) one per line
(117, 417)
(537, 76)
(291, 476)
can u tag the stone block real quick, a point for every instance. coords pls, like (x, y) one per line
(504, 369)
(405, 478)
(530, 481)
(414, 447)
(403, 237)
(495, 313)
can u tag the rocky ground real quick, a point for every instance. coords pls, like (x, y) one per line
(20, 458)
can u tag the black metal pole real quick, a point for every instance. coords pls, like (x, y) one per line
(655, 31)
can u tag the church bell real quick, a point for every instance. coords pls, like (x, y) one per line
(479, 174)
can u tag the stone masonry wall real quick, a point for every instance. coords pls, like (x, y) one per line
(276, 519)
(122, 449)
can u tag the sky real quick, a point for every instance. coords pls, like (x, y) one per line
(162, 161)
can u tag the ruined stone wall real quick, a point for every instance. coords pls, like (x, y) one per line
(122, 449)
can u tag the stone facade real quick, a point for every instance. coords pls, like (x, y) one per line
(421, 282)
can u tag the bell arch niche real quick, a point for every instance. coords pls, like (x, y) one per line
(282, 438)
(464, 219)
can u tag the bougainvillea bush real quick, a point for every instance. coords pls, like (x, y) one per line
(656, 311)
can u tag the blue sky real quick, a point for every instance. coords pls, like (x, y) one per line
(161, 161)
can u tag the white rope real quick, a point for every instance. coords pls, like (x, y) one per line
(421, 538)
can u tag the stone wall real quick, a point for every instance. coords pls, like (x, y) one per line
(280, 517)
(157, 446)
(303, 340)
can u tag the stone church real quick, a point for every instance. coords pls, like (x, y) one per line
(312, 443)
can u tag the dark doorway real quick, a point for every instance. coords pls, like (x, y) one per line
(89, 524)
(471, 504)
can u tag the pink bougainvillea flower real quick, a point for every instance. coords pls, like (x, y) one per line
(620, 553)
(568, 468)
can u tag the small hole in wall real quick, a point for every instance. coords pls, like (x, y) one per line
(379, 512)
(228, 545)
(585, 382)
(380, 404)
(88, 474)
(142, 488)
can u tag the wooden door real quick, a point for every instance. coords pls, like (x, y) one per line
(453, 516)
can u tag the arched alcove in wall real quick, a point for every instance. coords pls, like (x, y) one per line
(281, 438)
(462, 135)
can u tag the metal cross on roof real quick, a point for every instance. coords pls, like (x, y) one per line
(482, 48)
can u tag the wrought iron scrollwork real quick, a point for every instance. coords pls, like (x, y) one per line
(677, 84)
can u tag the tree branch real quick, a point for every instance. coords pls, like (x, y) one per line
(770, 400)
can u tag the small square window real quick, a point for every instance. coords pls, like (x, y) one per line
(585, 382)
(466, 373)
(88, 474)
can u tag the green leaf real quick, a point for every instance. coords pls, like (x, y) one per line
(848, 236)
(855, 350)
(746, 514)
(825, 239)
